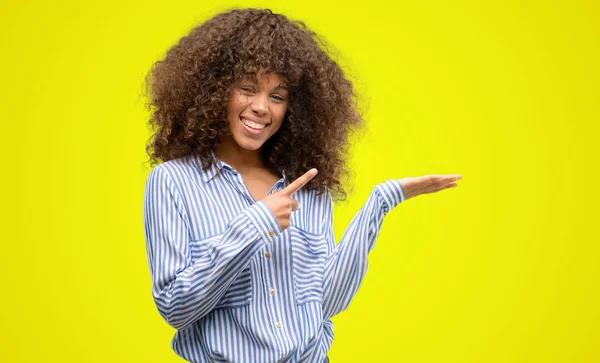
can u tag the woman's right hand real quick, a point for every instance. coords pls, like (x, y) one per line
(282, 204)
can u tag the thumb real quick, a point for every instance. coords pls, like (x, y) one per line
(295, 205)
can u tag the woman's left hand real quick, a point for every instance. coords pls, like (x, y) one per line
(414, 186)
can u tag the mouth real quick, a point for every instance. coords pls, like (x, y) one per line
(254, 128)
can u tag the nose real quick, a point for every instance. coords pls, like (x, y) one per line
(259, 104)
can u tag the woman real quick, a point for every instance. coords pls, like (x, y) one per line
(251, 120)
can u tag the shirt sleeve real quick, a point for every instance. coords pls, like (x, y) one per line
(346, 266)
(185, 290)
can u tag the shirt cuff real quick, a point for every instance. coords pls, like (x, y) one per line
(264, 220)
(391, 194)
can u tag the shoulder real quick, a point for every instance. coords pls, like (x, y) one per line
(177, 173)
(179, 166)
(315, 212)
(313, 198)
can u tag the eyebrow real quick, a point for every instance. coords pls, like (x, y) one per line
(279, 86)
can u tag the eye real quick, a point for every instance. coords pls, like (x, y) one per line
(278, 98)
(247, 89)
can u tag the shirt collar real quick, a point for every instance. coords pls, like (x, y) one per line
(216, 167)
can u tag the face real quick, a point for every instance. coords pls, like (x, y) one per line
(256, 110)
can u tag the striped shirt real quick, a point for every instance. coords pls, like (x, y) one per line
(235, 286)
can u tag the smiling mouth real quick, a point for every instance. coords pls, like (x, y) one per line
(253, 125)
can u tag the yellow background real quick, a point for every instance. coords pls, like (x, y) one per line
(504, 268)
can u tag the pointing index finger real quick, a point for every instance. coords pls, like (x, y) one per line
(300, 182)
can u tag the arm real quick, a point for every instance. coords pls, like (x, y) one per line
(347, 265)
(186, 290)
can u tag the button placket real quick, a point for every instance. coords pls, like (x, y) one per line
(238, 183)
(234, 178)
(242, 185)
(272, 300)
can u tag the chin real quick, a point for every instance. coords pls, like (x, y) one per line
(250, 145)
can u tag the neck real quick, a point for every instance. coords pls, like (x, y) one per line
(240, 159)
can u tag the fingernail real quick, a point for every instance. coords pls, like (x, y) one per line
(299, 205)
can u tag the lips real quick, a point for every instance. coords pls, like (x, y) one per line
(250, 131)
(253, 123)
(255, 120)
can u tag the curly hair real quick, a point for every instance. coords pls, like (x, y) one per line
(190, 89)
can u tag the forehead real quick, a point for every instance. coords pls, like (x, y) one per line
(269, 79)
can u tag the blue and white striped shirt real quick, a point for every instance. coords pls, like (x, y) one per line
(235, 286)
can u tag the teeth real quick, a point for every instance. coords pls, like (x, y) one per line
(253, 125)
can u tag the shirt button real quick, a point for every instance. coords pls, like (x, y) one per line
(267, 255)
(278, 325)
(271, 233)
(272, 291)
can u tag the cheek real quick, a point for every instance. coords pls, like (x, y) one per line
(281, 114)
(236, 104)
(277, 127)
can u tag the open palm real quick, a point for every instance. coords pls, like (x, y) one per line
(414, 186)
